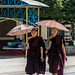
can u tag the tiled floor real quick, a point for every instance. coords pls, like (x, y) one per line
(15, 65)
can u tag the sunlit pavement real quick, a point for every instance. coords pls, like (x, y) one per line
(15, 65)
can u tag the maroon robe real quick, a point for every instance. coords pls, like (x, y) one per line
(34, 64)
(55, 55)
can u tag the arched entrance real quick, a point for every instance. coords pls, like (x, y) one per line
(5, 27)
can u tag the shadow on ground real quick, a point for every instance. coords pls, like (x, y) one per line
(9, 56)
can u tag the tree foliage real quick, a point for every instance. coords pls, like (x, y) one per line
(59, 10)
(69, 10)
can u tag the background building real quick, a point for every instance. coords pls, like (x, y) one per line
(17, 12)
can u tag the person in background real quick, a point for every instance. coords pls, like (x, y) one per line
(18, 40)
(15, 39)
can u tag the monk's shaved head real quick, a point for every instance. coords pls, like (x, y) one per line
(54, 31)
(34, 33)
(33, 30)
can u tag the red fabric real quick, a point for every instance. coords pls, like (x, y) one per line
(9, 51)
(36, 40)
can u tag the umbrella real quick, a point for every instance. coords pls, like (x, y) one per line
(52, 24)
(20, 30)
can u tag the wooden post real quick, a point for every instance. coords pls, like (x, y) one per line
(26, 20)
(38, 18)
(26, 24)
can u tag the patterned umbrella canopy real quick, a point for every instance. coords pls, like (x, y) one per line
(20, 30)
(52, 24)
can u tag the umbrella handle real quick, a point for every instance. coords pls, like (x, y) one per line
(23, 38)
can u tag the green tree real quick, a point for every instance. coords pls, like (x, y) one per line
(59, 10)
(69, 10)
(53, 12)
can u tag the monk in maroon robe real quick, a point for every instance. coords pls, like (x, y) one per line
(56, 53)
(36, 54)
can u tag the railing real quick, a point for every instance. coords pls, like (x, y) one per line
(12, 2)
